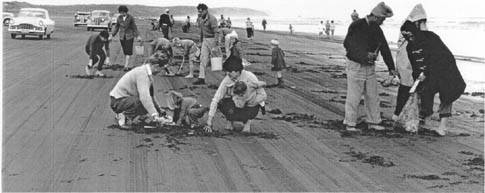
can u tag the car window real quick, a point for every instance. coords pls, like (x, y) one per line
(100, 14)
(30, 13)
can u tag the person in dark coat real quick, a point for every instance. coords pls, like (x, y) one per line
(440, 73)
(126, 25)
(278, 61)
(165, 23)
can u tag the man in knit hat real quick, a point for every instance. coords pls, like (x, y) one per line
(363, 42)
(403, 65)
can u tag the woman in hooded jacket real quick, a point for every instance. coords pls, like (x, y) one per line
(440, 73)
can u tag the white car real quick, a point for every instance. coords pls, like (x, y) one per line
(32, 21)
(99, 19)
(6, 16)
(81, 18)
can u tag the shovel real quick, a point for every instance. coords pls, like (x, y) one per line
(410, 114)
(181, 65)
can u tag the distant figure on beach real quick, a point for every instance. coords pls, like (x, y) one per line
(222, 21)
(291, 29)
(128, 31)
(165, 23)
(190, 51)
(249, 28)
(408, 73)
(186, 27)
(321, 29)
(229, 22)
(440, 73)
(278, 61)
(354, 16)
(332, 28)
(327, 28)
(238, 97)
(94, 48)
(186, 110)
(264, 22)
(209, 36)
(132, 98)
(363, 42)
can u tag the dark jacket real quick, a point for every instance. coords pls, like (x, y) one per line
(278, 59)
(363, 38)
(95, 45)
(165, 19)
(438, 64)
(127, 28)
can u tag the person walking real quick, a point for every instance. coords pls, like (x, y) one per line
(133, 96)
(321, 29)
(363, 42)
(165, 23)
(247, 109)
(354, 15)
(332, 28)
(94, 48)
(190, 50)
(249, 28)
(278, 61)
(440, 73)
(327, 28)
(291, 29)
(264, 22)
(128, 31)
(407, 73)
(222, 22)
(209, 36)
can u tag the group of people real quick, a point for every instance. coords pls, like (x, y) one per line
(225, 22)
(422, 56)
(328, 28)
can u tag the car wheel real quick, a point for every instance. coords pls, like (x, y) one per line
(23, 36)
(6, 21)
(12, 36)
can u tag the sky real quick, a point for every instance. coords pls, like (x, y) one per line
(312, 8)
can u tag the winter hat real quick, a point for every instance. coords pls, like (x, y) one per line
(417, 13)
(233, 63)
(275, 42)
(382, 10)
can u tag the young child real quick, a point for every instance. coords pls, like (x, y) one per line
(278, 61)
(241, 95)
(186, 111)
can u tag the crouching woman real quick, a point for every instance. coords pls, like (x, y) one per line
(254, 95)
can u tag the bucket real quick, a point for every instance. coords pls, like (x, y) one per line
(216, 59)
(139, 50)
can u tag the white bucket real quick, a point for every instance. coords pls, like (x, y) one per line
(216, 63)
(139, 50)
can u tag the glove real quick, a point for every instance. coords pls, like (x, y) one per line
(90, 63)
(106, 61)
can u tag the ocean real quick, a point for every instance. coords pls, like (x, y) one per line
(463, 36)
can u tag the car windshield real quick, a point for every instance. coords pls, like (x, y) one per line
(31, 13)
(100, 14)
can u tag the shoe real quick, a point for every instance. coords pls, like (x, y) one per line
(88, 70)
(351, 128)
(377, 127)
(99, 73)
(199, 81)
(121, 119)
(189, 76)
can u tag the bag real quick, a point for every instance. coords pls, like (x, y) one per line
(140, 49)
(216, 59)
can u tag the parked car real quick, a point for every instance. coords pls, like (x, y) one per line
(32, 21)
(99, 20)
(114, 19)
(6, 17)
(81, 18)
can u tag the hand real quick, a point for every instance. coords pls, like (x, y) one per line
(421, 77)
(90, 63)
(371, 56)
(208, 128)
(106, 61)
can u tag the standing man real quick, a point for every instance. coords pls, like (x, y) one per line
(264, 22)
(209, 36)
(363, 42)
(249, 28)
(165, 23)
(354, 16)
(128, 31)
(222, 21)
(94, 48)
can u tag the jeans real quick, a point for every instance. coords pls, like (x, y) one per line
(205, 54)
(361, 80)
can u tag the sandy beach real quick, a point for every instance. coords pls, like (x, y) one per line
(59, 132)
